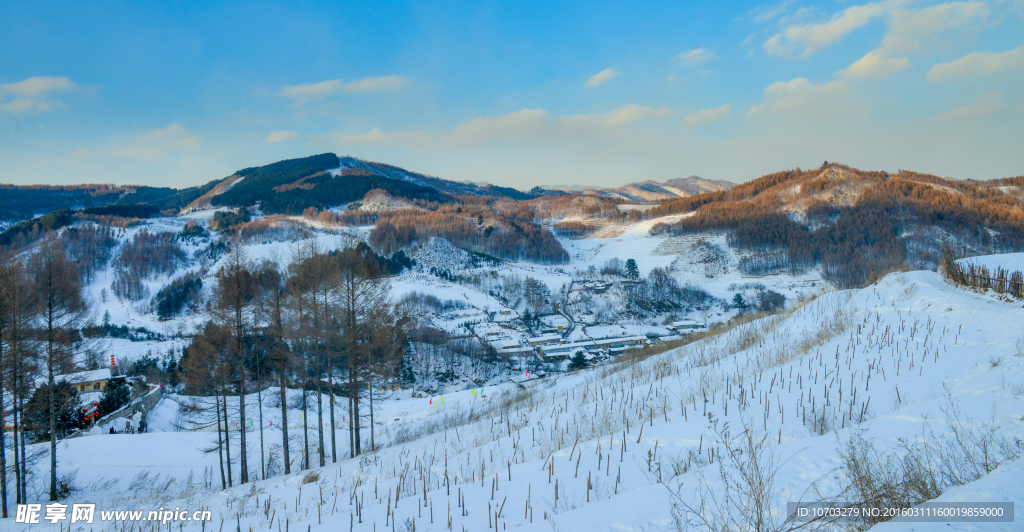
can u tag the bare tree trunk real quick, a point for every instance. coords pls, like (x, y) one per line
(220, 444)
(17, 454)
(24, 453)
(243, 451)
(284, 425)
(53, 417)
(227, 439)
(3, 438)
(354, 398)
(320, 420)
(259, 399)
(334, 446)
(373, 446)
(305, 429)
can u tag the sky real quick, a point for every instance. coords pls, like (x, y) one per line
(517, 94)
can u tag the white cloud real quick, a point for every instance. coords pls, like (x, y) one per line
(514, 124)
(814, 37)
(631, 112)
(985, 105)
(280, 136)
(909, 28)
(875, 64)
(800, 96)
(707, 116)
(376, 136)
(33, 94)
(601, 78)
(775, 46)
(336, 87)
(156, 145)
(38, 85)
(696, 56)
(978, 63)
(765, 14)
(537, 124)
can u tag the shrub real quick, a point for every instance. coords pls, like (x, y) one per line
(228, 220)
(193, 230)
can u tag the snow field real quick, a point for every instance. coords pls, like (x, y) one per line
(626, 441)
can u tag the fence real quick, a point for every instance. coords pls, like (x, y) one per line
(1001, 281)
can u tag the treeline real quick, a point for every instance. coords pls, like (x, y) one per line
(23, 234)
(475, 229)
(856, 239)
(124, 211)
(292, 186)
(322, 324)
(28, 201)
(185, 291)
(574, 229)
(146, 255)
(91, 246)
(42, 311)
(858, 244)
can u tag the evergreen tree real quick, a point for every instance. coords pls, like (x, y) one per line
(579, 361)
(738, 301)
(115, 395)
(67, 413)
(632, 271)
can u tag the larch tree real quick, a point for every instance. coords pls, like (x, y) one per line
(363, 310)
(234, 296)
(20, 357)
(279, 356)
(63, 311)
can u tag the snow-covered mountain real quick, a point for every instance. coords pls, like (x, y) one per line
(652, 191)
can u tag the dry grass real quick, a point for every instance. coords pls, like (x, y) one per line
(922, 470)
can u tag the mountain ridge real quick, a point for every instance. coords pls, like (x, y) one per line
(650, 190)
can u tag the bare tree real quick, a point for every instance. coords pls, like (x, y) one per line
(63, 312)
(234, 295)
(296, 331)
(279, 356)
(206, 369)
(20, 358)
(364, 311)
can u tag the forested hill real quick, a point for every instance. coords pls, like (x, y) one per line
(294, 185)
(285, 187)
(24, 202)
(855, 224)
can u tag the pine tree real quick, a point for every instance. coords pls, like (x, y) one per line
(579, 361)
(738, 301)
(115, 395)
(632, 271)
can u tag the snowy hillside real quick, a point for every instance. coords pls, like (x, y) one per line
(907, 363)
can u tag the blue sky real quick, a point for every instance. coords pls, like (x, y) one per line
(517, 94)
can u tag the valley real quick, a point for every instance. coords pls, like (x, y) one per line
(506, 335)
